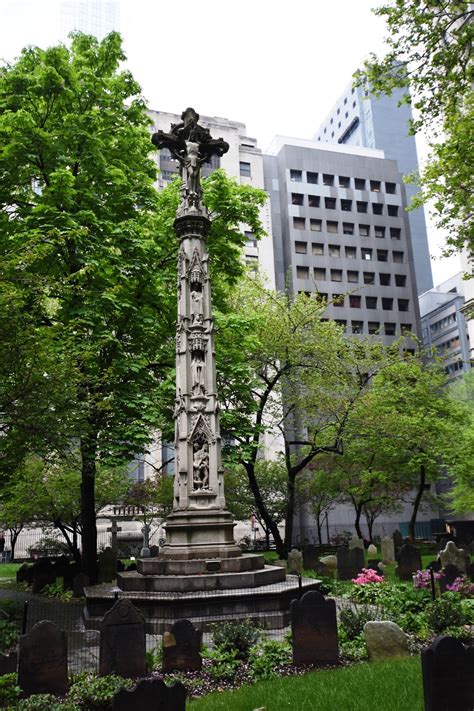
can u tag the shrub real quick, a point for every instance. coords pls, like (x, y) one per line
(224, 663)
(9, 689)
(462, 586)
(266, 657)
(45, 702)
(367, 594)
(446, 611)
(56, 589)
(239, 636)
(92, 693)
(353, 649)
(48, 545)
(367, 576)
(8, 634)
(153, 658)
(422, 579)
(352, 620)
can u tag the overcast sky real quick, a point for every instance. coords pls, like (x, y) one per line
(276, 65)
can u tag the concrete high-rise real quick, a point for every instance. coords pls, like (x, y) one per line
(358, 119)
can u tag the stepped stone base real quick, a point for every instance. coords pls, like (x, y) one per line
(199, 534)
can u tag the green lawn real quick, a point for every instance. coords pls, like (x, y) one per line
(378, 686)
(8, 570)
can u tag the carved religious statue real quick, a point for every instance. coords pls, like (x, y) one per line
(201, 465)
(196, 307)
(197, 374)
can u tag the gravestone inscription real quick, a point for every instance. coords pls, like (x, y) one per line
(182, 647)
(42, 663)
(448, 675)
(151, 695)
(314, 630)
(122, 641)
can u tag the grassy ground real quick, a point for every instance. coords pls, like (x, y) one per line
(8, 570)
(378, 686)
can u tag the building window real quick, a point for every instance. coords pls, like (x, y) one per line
(245, 169)
(330, 203)
(395, 232)
(339, 125)
(299, 223)
(317, 248)
(390, 188)
(369, 278)
(389, 329)
(361, 206)
(348, 228)
(377, 208)
(364, 230)
(366, 254)
(373, 327)
(351, 253)
(338, 300)
(398, 257)
(338, 111)
(387, 304)
(322, 296)
(357, 326)
(353, 277)
(331, 120)
(297, 198)
(296, 176)
(345, 100)
(371, 302)
(353, 104)
(334, 250)
(344, 181)
(251, 261)
(302, 272)
(355, 301)
(400, 280)
(315, 225)
(375, 186)
(346, 205)
(328, 179)
(331, 227)
(346, 114)
(405, 328)
(319, 274)
(250, 240)
(403, 304)
(332, 132)
(382, 255)
(359, 183)
(379, 231)
(392, 210)
(384, 279)
(311, 177)
(336, 274)
(301, 247)
(342, 323)
(313, 200)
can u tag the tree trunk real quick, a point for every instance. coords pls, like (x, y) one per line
(319, 525)
(71, 542)
(88, 517)
(269, 523)
(358, 510)
(417, 502)
(14, 533)
(290, 510)
(370, 525)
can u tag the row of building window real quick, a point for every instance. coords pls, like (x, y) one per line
(449, 344)
(356, 301)
(454, 367)
(343, 181)
(352, 276)
(368, 255)
(330, 203)
(347, 228)
(375, 327)
(443, 323)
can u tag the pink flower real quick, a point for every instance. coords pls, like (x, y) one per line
(368, 576)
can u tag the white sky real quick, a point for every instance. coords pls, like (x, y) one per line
(277, 66)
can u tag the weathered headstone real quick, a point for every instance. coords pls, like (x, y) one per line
(450, 573)
(114, 530)
(349, 563)
(388, 550)
(434, 565)
(151, 695)
(42, 574)
(295, 562)
(470, 572)
(42, 664)
(356, 542)
(122, 641)
(145, 550)
(310, 557)
(23, 574)
(154, 550)
(397, 540)
(385, 640)
(409, 561)
(182, 647)
(372, 551)
(8, 663)
(80, 581)
(107, 569)
(374, 564)
(329, 561)
(314, 630)
(454, 555)
(448, 675)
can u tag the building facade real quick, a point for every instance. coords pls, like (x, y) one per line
(357, 119)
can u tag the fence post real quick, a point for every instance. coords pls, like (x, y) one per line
(25, 617)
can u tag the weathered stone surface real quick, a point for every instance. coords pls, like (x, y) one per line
(310, 557)
(385, 640)
(448, 675)
(329, 561)
(372, 551)
(409, 561)
(23, 574)
(182, 647)
(349, 562)
(314, 630)
(107, 568)
(295, 562)
(42, 573)
(388, 550)
(453, 555)
(42, 664)
(356, 542)
(151, 695)
(397, 540)
(374, 564)
(122, 641)
(8, 663)
(154, 550)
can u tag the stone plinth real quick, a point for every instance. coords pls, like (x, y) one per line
(195, 534)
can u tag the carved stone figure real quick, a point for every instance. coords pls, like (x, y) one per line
(196, 308)
(197, 374)
(201, 466)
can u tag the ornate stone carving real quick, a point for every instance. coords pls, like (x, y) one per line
(200, 463)
(198, 375)
(197, 316)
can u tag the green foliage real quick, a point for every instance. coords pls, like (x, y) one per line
(57, 590)
(406, 606)
(92, 693)
(224, 662)
(154, 658)
(238, 636)
(444, 612)
(9, 689)
(9, 634)
(372, 594)
(266, 656)
(45, 702)
(354, 649)
(48, 545)
(353, 619)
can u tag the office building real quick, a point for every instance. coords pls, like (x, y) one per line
(358, 119)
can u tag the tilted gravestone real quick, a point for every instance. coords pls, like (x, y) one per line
(388, 550)
(450, 573)
(182, 647)
(107, 569)
(42, 574)
(397, 540)
(310, 557)
(349, 563)
(356, 542)
(42, 663)
(409, 561)
(122, 641)
(448, 675)
(454, 556)
(151, 695)
(314, 630)
(295, 562)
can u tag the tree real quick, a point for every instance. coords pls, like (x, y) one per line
(152, 497)
(319, 492)
(430, 56)
(461, 468)
(85, 236)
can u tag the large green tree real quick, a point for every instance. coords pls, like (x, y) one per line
(430, 56)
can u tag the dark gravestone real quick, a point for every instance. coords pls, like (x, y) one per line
(373, 564)
(181, 647)
(448, 675)
(23, 574)
(8, 663)
(154, 550)
(107, 566)
(122, 641)
(314, 630)
(409, 561)
(132, 566)
(80, 581)
(310, 557)
(397, 541)
(42, 574)
(151, 695)
(42, 664)
(450, 573)
(434, 565)
(349, 563)
(120, 566)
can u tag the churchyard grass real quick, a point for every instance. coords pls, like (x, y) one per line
(378, 686)
(8, 570)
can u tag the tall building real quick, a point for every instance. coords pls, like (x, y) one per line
(358, 119)
(93, 17)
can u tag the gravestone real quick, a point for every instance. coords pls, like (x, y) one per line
(113, 530)
(122, 641)
(8, 663)
(154, 550)
(145, 550)
(450, 573)
(107, 570)
(329, 561)
(42, 574)
(434, 565)
(409, 561)
(388, 550)
(356, 542)
(372, 551)
(295, 562)
(42, 663)
(151, 695)
(385, 640)
(349, 563)
(310, 557)
(397, 541)
(23, 574)
(470, 572)
(80, 581)
(131, 567)
(448, 675)
(453, 555)
(314, 630)
(181, 647)
(120, 566)
(374, 564)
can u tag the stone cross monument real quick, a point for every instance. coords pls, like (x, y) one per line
(199, 526)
